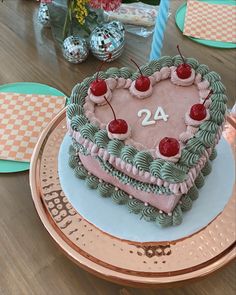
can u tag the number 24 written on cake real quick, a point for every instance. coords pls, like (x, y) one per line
(159, 115)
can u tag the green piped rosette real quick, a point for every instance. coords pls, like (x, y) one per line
(142, 160)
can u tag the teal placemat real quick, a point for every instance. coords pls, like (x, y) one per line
(180, 18)
(25, 88)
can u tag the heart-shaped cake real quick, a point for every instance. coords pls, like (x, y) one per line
(146, 138)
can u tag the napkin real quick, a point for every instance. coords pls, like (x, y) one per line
(215, 22)
(22, 119)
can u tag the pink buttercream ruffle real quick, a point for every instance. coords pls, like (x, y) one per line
(185, 136)
(203, 85)
(140, 94)
(182, 82)
(173, 159)
(195, 123)
(119, 136)
(207, 102)
(100, 100)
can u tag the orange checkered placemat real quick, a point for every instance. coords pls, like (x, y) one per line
(22, 118)
(215, 22)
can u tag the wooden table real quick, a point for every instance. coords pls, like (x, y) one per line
(30, 263)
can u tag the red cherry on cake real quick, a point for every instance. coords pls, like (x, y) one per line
(198, 111)
(142, 83)
(169, 147)
(183, 70)
(118, 126)
(99, 86)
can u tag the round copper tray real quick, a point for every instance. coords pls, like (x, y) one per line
(125, 262)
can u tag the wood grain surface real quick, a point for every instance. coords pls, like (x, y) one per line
(30, 263)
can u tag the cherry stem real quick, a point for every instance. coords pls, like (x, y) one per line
(137, 66)
(209, 94)
(110, 107)
(181, 55)
(102, 64)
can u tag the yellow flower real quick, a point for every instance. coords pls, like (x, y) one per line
(81, 11)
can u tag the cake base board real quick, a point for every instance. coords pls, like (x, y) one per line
(117, 221)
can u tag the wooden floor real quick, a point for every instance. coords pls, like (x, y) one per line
(30, 263)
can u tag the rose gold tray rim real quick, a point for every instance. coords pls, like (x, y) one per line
(92, 267)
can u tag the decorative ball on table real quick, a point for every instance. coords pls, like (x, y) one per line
(75, 49)
(43, 15)
(108, 38)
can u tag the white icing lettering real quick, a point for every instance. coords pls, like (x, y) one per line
(160, 115)
(146, 119)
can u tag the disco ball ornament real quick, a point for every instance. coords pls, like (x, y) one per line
(108, 38)
(43, 15)
(75, 49)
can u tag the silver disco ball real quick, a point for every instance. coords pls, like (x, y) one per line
(108, 38)
(43, 15)
(75, 49)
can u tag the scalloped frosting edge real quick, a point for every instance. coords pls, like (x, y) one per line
(132, 171)
(148, 212)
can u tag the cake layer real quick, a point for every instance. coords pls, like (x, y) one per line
(120, 197)
(164, 202)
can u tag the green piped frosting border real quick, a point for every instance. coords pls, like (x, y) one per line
(118, 196)
(142, 160)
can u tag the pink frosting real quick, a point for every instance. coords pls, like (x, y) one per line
(207, 102)
(100, 100)
(203, 93)
(121, 83)
(165, 73)
(185, 136)
(198, 79)
(173, 159)
(119, 136)
(157, 76)
(163, 94)
(182, 82)
(203, 85)
(195, 123)
(140, 94)
(111, 83)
